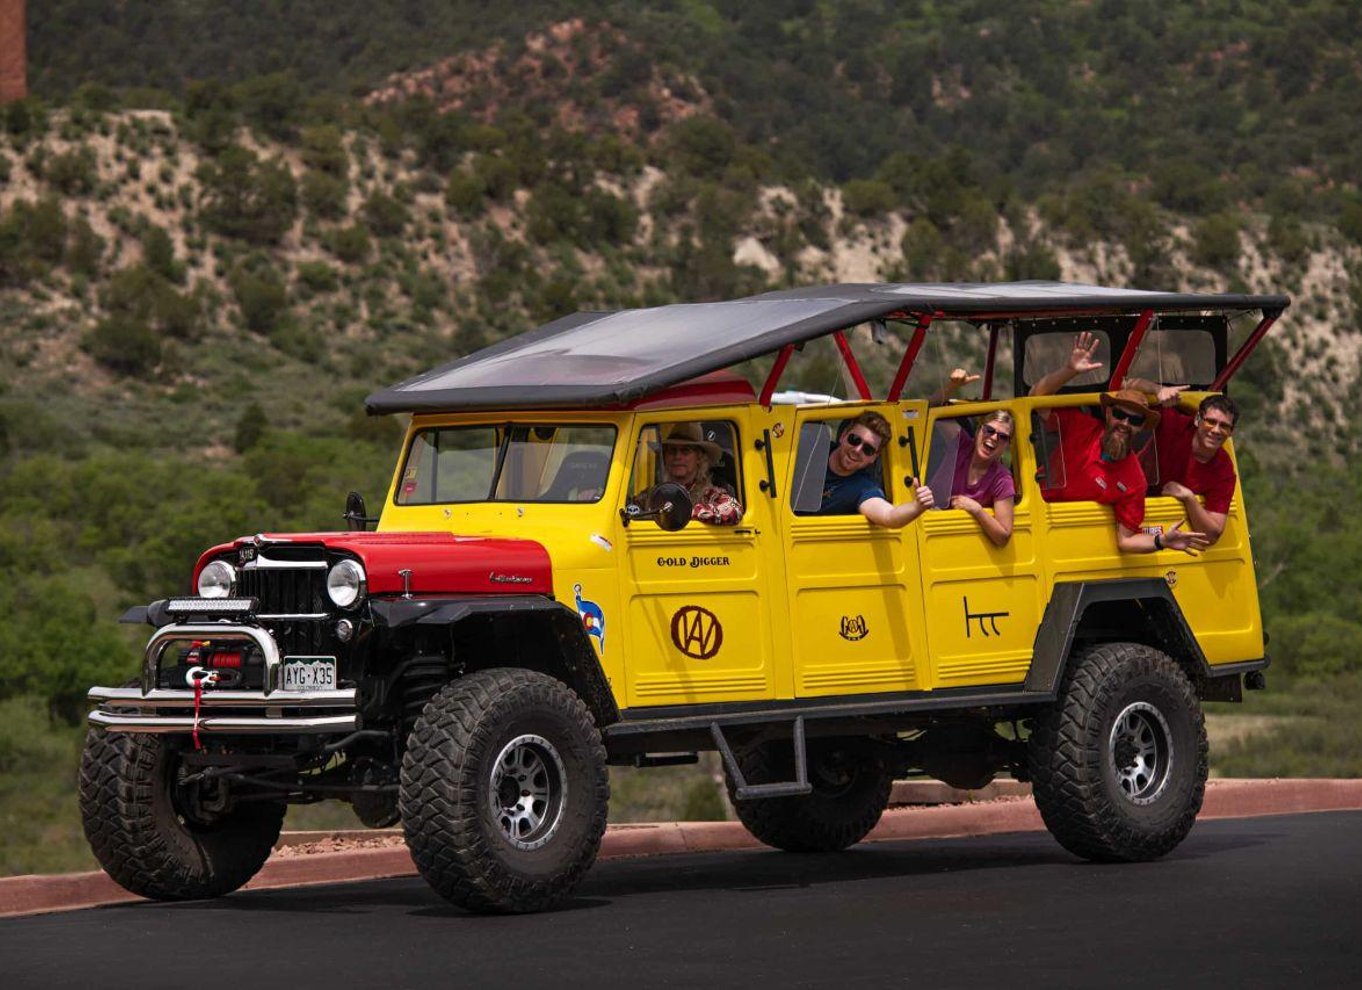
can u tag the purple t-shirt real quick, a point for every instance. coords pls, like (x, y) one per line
(996, 484)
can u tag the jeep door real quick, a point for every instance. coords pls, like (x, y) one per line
(983, 602)
(853, 588)
(699, 631)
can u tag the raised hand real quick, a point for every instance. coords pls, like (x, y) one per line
(960, 378)
(1169, 394)
(1085, 346)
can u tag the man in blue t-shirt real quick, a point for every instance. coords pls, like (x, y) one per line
(852, 483)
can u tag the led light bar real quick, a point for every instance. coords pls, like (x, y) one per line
(211, 606)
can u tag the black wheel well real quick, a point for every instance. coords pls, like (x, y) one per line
(1153, 622)
(549, 642)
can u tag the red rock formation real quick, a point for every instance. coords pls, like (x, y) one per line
(13, 57)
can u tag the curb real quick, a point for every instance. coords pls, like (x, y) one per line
(924, 814)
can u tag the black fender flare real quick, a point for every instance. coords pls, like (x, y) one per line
(579, 666)
(1069, 601)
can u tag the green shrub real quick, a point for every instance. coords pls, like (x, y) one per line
(465, 193)
(318, 276)
(350, 244)
(868, 198)
(74, 172)
(246, 198)
(125, 344)
(1215, 241)
(386, 215)
(324, 195)
(260, 292)
(250, 428)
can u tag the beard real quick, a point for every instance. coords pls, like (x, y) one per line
(1115, 445)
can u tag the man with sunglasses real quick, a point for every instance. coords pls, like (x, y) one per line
(852, 483)
(1191, 452)
(1098, 460)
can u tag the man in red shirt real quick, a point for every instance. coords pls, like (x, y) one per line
(1097, 458)
(1191, 452)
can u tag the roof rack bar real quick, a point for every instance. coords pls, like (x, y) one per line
(1136, 338)
(773, 379)
(1246, 348)
(993, 331)
(909, 356)
(849, 360)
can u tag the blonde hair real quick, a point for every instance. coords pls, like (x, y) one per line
(999, 416)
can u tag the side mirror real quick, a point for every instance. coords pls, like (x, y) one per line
(356, 516)
(669, 504)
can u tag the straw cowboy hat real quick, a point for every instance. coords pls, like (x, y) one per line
(690, 434)
(1133, 401)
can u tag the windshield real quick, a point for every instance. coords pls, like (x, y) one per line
(501, 462)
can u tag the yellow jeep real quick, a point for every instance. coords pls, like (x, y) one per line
(537, 602)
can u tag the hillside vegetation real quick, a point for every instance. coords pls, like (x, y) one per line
(200, 278)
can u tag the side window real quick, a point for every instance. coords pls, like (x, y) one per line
(812, 476)
(811, 467)
(1049, 452)
(953, 439)
(710, 458)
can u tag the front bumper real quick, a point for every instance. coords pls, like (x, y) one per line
(269, 711)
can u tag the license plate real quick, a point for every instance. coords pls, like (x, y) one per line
(310, 674)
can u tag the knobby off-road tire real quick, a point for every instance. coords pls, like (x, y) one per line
(851, 784)
(1119, 762)
(148, 844)
(504, 791)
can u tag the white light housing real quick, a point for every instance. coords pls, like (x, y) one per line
(217, 580)
(345, 583)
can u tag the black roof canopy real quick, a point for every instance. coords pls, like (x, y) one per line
(605, 359)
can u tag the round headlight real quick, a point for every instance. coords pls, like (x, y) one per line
(217, 580)
(345, 583)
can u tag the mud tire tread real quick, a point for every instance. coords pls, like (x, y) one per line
(142, 844)
(456, 847)
(1077, 795)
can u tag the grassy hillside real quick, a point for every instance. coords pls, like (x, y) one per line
(199, 282)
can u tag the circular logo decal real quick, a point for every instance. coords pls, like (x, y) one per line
(696, 632)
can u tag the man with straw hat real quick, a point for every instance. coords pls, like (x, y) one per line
(1097, 457)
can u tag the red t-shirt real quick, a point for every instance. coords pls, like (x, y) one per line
(1214, 479)
(1119, 484)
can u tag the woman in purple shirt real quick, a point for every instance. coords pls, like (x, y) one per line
(982, 481)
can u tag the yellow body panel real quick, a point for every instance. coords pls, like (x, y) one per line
(787, 606)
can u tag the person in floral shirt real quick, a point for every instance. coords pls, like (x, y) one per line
(688, 458)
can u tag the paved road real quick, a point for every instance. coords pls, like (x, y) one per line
(1255, 902)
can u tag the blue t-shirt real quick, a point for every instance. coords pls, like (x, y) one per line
(843, 495)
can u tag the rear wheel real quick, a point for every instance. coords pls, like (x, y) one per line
(1119, 763)
(504, 791)
(150, 833)
(851, 783)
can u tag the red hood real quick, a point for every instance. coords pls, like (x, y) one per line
(440, 563)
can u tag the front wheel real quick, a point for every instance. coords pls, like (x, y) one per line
(152, 835)
(1119, 762)
(504, 791)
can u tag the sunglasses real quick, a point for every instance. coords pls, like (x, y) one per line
(680, 448)
(1219, 424)
(1134, 419)
(856, 442)
(992, 431)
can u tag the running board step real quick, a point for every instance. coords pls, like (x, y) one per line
(743, 791)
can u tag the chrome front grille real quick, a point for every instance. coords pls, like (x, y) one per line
(293, 603)
(287, 591)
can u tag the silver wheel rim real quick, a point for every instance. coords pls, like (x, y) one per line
(1140, 752)
(528, 791)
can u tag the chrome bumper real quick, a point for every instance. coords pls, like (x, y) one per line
(265, 712)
